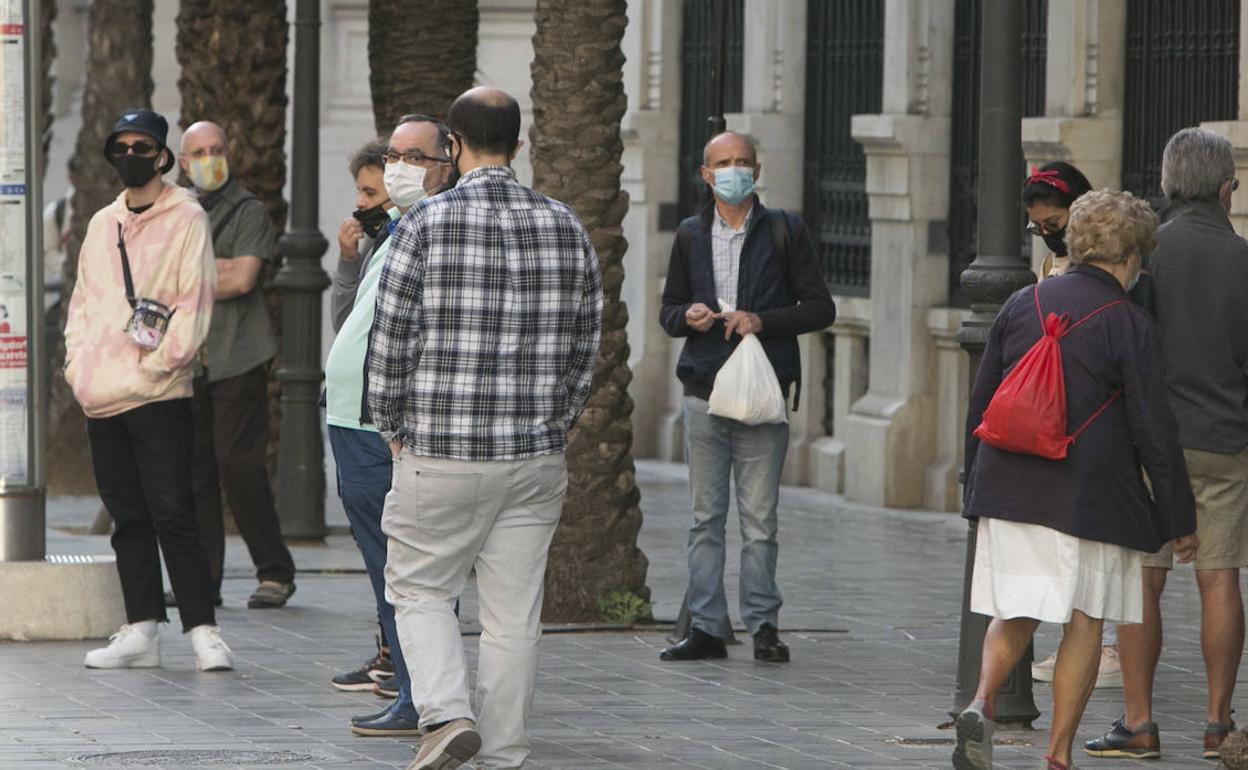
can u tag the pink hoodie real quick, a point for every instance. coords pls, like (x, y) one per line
(171, 261)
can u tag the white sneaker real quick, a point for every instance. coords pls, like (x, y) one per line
(1043, 671)
(133, 646)
(211, 653)
(1109, 675)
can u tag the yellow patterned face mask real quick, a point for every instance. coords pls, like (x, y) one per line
(208, 173)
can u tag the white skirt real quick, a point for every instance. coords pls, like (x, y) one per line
(1031, 571)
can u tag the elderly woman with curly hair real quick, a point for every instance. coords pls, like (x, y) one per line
(1060, 541)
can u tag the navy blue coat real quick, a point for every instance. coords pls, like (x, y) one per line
(1098, 492)
(787, 292)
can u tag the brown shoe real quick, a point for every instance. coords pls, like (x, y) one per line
(1215, 734)
(270, 595)
(447, 747)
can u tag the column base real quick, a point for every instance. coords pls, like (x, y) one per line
(63, 598)
(827, 465)
(889, 445)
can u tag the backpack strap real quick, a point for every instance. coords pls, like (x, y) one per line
(778, 223)
(1035, 293)
(1079, 431)
(1099, 310)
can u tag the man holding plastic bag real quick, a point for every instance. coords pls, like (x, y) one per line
(742, 284)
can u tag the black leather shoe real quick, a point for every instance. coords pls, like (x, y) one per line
(698, 645)
(370, 717)
(768, 647)
(388, 725)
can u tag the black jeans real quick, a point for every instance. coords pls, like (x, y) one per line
(142, 462)
(231, 442)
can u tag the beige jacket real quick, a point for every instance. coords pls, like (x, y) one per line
(171, 261)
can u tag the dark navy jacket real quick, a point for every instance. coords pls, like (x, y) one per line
(1098, 492)
(787, 291)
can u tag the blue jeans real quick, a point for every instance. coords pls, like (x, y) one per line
(719, 450)
(365, 469)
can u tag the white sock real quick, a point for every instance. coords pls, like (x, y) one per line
(147, 627)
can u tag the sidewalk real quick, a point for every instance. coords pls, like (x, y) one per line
(871, 614)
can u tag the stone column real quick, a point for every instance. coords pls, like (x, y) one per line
(1237, 132)
(1084, 72)
(773, 112)
(890, 431)
(850, 337)
(942, 488)
(504, 52)
(651, 132)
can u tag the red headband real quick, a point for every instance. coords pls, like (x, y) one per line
(1048, 177)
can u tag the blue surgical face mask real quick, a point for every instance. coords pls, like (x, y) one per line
(734, 184)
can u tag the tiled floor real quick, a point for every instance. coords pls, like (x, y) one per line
(871, 614)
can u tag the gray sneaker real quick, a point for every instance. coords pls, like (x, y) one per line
(447, 747)
(974, 741)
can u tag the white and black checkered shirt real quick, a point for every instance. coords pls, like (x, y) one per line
(489, 311)
(726, 245)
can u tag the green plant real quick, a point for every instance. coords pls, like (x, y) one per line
(624, 607)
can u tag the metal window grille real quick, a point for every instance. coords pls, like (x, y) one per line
(844, 77)
(696, 60)
(964, 154)
(1182, 67)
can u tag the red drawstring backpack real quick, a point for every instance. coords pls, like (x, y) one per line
(1027, 414)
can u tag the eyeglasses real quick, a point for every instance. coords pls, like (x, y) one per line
(142, 149)
(207, 152)
(1046, 228)
(411, 157)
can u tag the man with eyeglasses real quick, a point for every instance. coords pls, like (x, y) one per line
(139, 312)
(416, 166)
(1199, 269)
(231, 402)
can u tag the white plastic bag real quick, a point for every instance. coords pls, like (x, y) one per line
(746, 388)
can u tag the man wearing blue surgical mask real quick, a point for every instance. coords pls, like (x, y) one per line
(761, 262)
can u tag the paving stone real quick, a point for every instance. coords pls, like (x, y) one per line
(871, 595)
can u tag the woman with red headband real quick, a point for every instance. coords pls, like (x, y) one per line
(1047, 195)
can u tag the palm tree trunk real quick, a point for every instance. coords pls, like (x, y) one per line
(421, 55)
(233, 57)
(578, 101)
(119, 75)
(48, 55)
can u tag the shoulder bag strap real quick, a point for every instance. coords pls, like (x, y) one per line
(225, 220)
(125, 267)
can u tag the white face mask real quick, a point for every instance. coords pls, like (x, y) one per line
(405, 184)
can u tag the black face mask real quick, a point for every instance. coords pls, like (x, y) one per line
(372, 220)
(1056, 241)
(135, 171)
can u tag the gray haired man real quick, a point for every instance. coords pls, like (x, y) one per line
(1199, 270)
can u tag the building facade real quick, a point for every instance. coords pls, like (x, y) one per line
(866, 115)
(865, 112)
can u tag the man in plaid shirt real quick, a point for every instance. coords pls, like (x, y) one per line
(480, 358)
